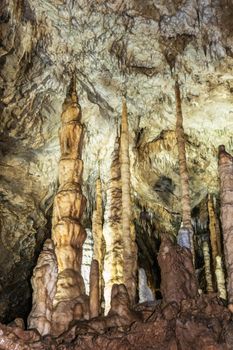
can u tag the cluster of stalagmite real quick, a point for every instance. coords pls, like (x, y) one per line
(226, 192)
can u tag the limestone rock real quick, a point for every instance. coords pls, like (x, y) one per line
(176, 261)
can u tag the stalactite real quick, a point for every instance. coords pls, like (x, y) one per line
(112, 230)
(208, 275)
(221, 283)
(97, 231)
(67, 232)
(44, 287)
(184, 176)
(225, 162)
(94, 289)
(128, 230)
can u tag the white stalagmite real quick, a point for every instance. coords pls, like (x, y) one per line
(216, 248)
(112, 230)
(128, 230)
(208, 275)
(183, 169)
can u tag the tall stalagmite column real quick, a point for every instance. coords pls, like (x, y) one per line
(67, 231)
(208, 274)
(225, 162)
(112, 230)
(216, 248)
(128, 230)
(97, 231)
(184, 176)
(214, 230)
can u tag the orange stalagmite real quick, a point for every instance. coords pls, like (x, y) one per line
(184, 176)
(128, 230)
(97, 231)
(70, 301)
(94, 289)
(225, 163)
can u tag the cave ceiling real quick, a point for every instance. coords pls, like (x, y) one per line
(133, 48)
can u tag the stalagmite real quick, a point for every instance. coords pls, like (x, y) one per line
(214, 230)
(216, 248)
(113, 261)
(128, 230)
(184, 177)
(225, 162)
(178, 280)
(208, 275)
(221, 283)
(97, 231)
(94, 289)
(44, 287)
(68, 234)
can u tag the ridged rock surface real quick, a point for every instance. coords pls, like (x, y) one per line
(118, 47)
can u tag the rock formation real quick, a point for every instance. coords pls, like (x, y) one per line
(176, 261)
(113, 261)
(128, 230)
(216, 249)
(225, 163)
(59, 292)
(67, 232)
(97, 232)
(207, 264)
(94, 289)
(44, 288)
(184, 176)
